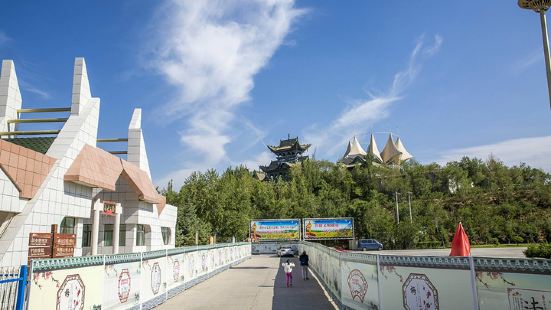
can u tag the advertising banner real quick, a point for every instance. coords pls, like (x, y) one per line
(328, 228)
(271, 230)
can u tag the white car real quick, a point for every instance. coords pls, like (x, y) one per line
(285, 251)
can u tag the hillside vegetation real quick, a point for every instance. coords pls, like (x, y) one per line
(497, 204)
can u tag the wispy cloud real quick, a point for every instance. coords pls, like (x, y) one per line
(535, 151)
(263, 158)
(26, 86)
(210, 52)
(4, 38)
(528, 61)
(364, 113)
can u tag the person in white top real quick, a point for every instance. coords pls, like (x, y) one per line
(288, 268)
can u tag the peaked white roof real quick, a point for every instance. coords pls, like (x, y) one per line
(373, 150)
(405, 154)
(391, 154)
(354, 149)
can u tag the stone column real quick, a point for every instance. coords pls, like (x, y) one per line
(98, 206)
(116, 229)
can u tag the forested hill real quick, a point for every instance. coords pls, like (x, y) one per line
(496, 203)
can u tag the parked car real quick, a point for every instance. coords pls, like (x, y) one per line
(369, 244)
(285, 251)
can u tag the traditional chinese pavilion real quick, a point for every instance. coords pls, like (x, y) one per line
(288, 153)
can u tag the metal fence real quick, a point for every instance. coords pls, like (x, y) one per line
(13, 282)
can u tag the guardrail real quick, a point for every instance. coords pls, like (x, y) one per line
(127, 281)
(13, 283)
(367, 281)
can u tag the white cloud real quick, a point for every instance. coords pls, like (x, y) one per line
(364, 113)
(263, 159)
(535, 152)
(528, 61)
(210, 52)
(33, 89)
(4, 38)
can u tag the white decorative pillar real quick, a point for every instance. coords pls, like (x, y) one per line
(98, 206)
(116, 229)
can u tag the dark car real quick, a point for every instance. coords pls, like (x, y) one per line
(369, 244)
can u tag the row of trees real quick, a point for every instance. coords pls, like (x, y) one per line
(496, 203)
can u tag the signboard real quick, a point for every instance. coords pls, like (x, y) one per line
(64, 245)
(63, 252)
(328, 228)
(40, 252)
(48, 245)
(65, 240)
(40, 239)
(109, 208)
(271, 230)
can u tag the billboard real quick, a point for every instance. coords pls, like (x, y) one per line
(328, 228)
(272, 230)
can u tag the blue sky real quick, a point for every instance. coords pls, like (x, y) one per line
(218, 80)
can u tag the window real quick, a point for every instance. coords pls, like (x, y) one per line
(108, 235)
(68, 225)
(86, 235)
(140, 235)
(166, 235)
(122, 235)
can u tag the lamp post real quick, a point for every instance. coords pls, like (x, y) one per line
(397, 211)
(409, 204)
(541, 6)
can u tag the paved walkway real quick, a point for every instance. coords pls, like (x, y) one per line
(258, 283)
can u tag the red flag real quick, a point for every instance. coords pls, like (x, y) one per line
(460, 244)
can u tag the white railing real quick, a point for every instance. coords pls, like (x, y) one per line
(367, 281)
(127, 281)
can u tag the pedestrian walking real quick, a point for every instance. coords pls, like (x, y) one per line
(304, 265)
(288, 268)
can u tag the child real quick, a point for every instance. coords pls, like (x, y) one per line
(288, 268)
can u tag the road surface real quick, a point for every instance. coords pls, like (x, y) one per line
(257, 283)
(484, 252)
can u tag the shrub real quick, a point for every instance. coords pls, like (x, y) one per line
(542, 250)
(517, 239)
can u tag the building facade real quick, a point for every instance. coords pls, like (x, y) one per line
(62, 177)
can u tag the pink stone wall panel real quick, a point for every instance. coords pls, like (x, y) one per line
(142, 184)
(95, 167)
(26, 168)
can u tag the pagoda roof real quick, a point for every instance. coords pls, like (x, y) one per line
(353, 160)
(289, 144)
(275, 165)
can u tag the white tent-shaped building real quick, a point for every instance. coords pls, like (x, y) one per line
(354, 153)
(373, 150)
(405, 154)
(391, 153)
